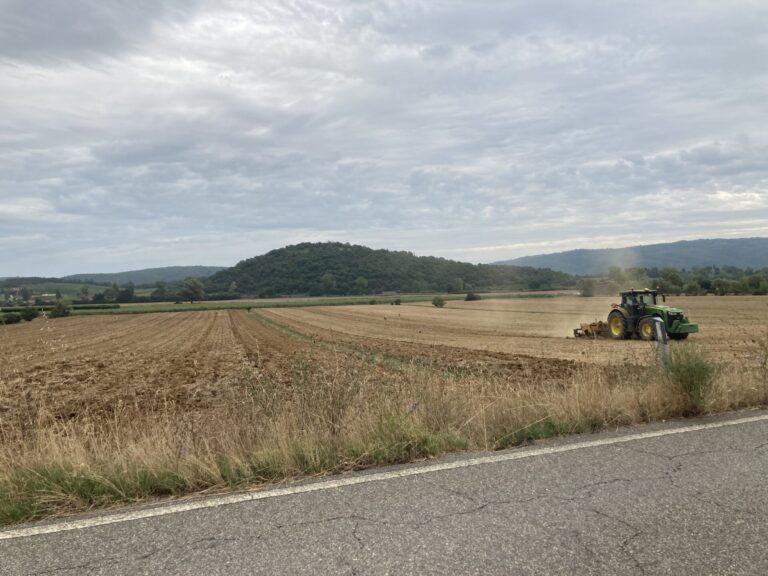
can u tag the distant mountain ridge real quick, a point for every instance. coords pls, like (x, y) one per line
(335, 268)
(739, 252)
(147, 275)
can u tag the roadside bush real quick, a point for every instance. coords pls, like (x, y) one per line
(10, 318)
(29, 313)
(397, 302)
(438, 302)
(692, 372)
(59, 310)
(471, 297)
(373, 301)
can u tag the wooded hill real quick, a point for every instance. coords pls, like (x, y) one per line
(335, 268)
(146, 276)
(738, 252)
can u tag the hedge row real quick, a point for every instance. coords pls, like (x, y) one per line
(47, 308)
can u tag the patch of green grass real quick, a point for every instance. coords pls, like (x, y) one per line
(160, 307)
(546, 428)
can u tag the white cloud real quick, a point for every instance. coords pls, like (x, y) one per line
(213, 131)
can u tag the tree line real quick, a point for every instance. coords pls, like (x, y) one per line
(698, 280)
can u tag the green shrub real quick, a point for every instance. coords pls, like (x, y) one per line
(373, 301)
(59, 310)
(397, 302)
(438, 302)
(10, 318)
(586, 287)
(692, 372)
(471, 297)
(29, 313)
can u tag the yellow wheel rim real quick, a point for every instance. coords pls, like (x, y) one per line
(616, 326)
(647, 330)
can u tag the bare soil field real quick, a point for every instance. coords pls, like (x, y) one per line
(536, 327)
(95, 363)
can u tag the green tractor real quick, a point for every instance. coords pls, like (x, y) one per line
(635, 317)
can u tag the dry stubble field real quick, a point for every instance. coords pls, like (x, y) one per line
(102, 409)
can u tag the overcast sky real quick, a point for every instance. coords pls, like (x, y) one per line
(145, 133)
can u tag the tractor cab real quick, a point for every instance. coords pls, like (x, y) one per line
(635, 301)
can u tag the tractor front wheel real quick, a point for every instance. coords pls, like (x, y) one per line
(645, 328)
(617, 325)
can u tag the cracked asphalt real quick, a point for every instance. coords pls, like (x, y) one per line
(690, 503)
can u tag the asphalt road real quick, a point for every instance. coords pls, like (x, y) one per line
(650, 500)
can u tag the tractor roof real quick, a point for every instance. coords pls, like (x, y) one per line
(643, 291)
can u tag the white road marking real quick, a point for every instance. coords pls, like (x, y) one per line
(217, 501)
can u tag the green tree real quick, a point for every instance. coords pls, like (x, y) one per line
(160, 291)
(586, 287)
(192, 290)
(438, 301)
(361, 285)
(28, 313)
(672, 278)
(126, 293)
(59, 310)
(232, 289)
(111, 293)
(25, 294)
(328, 282)
(84, 292)
(692, 288)
(456, 285)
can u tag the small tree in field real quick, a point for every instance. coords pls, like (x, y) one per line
(60, 310)
(192, 290)
(586, 287)
(438, 302)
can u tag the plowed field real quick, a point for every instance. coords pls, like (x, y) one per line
(190, 357)
(536, 327)
(95, 363)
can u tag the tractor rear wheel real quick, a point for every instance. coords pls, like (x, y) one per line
(645, 329)
(617, 325)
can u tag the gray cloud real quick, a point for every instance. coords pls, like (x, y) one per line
(139, 134)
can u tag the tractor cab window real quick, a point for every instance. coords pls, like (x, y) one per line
(647, 298)
(630, 300)
(634, 300)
